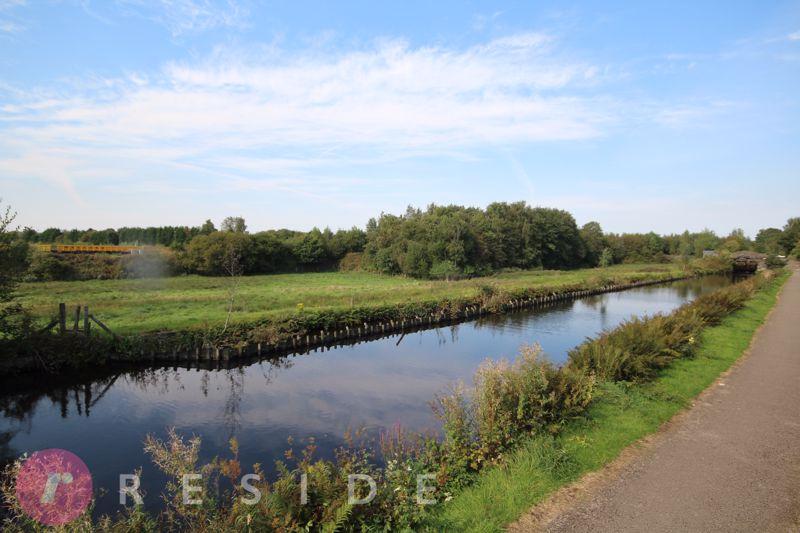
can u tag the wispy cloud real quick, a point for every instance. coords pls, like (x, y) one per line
(264, 118)
(6, 26)
(182, 17)
(794, 36)
(9, 25)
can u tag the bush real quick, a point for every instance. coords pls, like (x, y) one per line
(444, 270)
(351, 262)
(46, 266)
(638, 348)
(155, 262)
(508, 401)
(606, 258)
(773, 262)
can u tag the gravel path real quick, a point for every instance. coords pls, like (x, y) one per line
(730, 463)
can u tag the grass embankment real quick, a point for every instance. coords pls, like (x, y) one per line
(180, 303)
(621, 414)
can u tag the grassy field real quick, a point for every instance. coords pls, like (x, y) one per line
(129, 306)
(621, 415)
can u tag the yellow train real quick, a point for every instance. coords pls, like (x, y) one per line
(89, 249)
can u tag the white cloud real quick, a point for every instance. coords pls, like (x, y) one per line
(265, 119)
(794, 36)
(267, 113)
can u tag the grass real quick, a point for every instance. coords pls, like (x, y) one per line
(622, 414)
(133, 306)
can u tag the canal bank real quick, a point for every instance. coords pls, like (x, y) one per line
(309, 329)
(623, 413)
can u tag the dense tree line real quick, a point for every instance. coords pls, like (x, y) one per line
(438, 242)
(447, 241)
(270, 251)
(170, 236)
(453, 241)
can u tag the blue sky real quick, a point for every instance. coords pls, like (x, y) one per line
(298, 114)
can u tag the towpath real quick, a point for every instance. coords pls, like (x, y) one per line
(730, 463)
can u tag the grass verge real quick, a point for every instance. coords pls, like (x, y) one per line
(622, 414)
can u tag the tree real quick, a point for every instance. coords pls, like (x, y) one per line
(791, 234)
(207, 227)
(207, 254)
(736, 241)
(594, 242)
(769, 241)
(232, 265)
(309, 249)
(234, 224)
(606, 258)
(705, 240)
(13, 264)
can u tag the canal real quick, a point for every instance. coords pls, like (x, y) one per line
(375, 385)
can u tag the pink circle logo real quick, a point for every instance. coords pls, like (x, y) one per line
(54, 486)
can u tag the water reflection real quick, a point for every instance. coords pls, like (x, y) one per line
(104, 416)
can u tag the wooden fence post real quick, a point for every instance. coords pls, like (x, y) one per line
(62, 318)
(86, 323)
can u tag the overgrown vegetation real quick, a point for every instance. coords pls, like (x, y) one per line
(13, 263)
(509, 407)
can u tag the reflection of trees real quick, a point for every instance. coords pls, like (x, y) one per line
(78, 394)
(232, 414)
(18, 406)
(518, 320)
(596, 301)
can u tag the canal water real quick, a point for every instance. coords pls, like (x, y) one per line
(374, 385)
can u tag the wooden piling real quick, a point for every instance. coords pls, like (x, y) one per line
(62, 318)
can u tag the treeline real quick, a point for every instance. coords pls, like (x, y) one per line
(226, 252)
(442, 242)
(447, 241)
(453, 241)
(217, 253)
(169, 236)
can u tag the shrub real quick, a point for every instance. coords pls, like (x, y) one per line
(351, 262)
(444, 270)
(155, 262)
(606, 258)
(639, 347)
(508, 401)
(773, 262)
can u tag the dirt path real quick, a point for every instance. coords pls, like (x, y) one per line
(731, 463)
